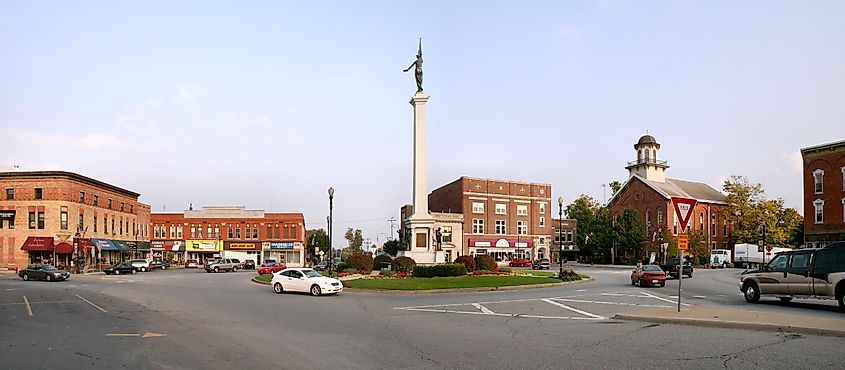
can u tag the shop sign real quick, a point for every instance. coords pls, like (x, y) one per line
(482, 244)
(202, 245)
(281, 245)
(158, 244)
(7, 215)
(522, 245)
(241, 246)
(502, 243)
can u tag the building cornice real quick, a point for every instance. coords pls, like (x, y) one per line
(34, 175)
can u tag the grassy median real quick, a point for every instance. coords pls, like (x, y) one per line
(447, 282)
(264, 278)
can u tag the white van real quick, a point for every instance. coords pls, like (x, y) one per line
(720, 258)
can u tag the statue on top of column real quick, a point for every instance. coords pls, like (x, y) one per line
(418, 71)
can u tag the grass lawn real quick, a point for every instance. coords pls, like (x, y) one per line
(536, 272)
(265, 278)
(447, 282)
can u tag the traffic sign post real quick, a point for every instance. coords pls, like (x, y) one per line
(683, 211)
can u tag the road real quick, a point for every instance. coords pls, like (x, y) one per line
(181, 319)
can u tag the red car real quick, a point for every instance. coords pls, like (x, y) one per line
(520, 263)
(648, 275)
(271, 267)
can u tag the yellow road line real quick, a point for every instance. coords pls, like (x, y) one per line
(28, 307)
(91, 303)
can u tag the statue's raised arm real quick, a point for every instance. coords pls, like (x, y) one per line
(418, 71)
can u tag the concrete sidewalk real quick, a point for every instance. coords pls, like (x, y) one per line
(577, 265)
(722, 317)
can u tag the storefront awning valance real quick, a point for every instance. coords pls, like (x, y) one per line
(64, 248)
(84, 243)
(143, 246)
(104, 244)
(501, 243)
(38, 243)
(121, 245)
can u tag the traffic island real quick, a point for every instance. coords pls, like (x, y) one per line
(458, 283)
(721, 317)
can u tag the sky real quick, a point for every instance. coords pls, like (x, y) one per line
(267, 104)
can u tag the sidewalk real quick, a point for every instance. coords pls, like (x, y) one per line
(722, 317)
(576, 265)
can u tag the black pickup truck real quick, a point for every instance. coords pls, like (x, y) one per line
(671, 267)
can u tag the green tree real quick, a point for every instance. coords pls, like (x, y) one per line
(698, 247)
(317, 240)
(751, 210)
(615, 186)
(630, 232)
(392, 247)
(355, 239)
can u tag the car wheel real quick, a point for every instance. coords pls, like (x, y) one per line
(48, 277)
(841, 302)
(25, 277)
(164, 267)
(117, 272)
(642, 284)
(315, 290)
(634, 283)
(234, 269)
(785, 299)
(278, 288)
(134, 271)
(751, 293)
(663, 284)
(216, 269)
(690, 275)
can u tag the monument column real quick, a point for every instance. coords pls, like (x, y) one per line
(420, 158)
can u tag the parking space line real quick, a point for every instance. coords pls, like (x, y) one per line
(483, 309)
(500, 314)
(609, 303)
(28, 307)
(91, 303)
(585, 313)
(662, 299)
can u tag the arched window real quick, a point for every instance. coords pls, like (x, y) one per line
(654, 154)
(640, 155)
(647, 156)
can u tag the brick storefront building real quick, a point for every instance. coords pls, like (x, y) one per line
(505, 219)
(824, 194)
(229, 232)
(45, 215)
(650, 192)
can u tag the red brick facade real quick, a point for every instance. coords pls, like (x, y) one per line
(827, 163)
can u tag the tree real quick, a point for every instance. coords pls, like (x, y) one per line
(317, 240)
(594, 237)
(355, 239)
(392, 247)
(698, 248)
(751, 211)
(615, 186)
(630, 231)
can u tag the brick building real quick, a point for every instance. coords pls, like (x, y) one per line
(229, 232)
(565, 234)
(505, 219)
(650, 192)
(45, 215)
(824, 194)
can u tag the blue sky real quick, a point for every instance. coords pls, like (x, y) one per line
(267, 104)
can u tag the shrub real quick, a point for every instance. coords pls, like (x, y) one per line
(342, 266)
(380, 261)
(403, 264)
(446, 269)
(485, 262)
(467, 261)
(360, 262)
(387, 273)
(505, 269)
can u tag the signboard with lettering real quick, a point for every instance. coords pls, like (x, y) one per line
(7, 215)
(281, 245)
(241, 246)
(683, 242)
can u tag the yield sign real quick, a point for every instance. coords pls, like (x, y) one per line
(683, 211)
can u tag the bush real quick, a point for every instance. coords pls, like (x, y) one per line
(342, 266)
(505, 269)
(485, 262)
(467, 261)
(360, 262)
(380, 261)
(403, 264)
(446, 269)
(349, 271)
(387, 273)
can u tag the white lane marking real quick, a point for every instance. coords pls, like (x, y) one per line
(699, 296)
(123, 335)
(610, 303)
(622, 295)
(585, 313)
(153, 335)
(496, 314)
(663, 299)
(11, 289)
(483, 309)
(41, 302)
(91, 303)
(28, 307)
(580, 290)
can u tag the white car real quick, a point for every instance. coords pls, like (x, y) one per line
(304, 280)
(141, 265)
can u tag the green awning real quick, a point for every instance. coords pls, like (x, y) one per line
(143, 246)
(121, 245)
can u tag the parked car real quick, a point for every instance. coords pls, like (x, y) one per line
(803, 273)
(520, 263)
(272, 267)
(225, 264)
(120, 268)
(648, 275)
(671, 267)
(322, 265)
(541, 264)
(142, 265)
(249, 265)
(192, 264)
(304, 280)
(43, 272)
(159, 264)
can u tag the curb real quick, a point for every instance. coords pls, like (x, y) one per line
(734, 325)
(255, 280)
(466, 290)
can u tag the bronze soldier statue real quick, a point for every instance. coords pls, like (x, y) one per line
(418, 72)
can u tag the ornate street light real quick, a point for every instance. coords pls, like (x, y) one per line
(560, 235)
(331, 248)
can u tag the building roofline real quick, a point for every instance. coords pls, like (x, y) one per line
(823, 146)
(509, 181)
(661, 192)
(65, 175)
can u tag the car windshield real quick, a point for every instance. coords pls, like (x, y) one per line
(311, 273)
(48, 267)
(651, 268)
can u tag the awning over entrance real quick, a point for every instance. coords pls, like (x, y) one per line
(501, 243)
(121, 245)
(143, 246)
(84, 243)
(38, 243)
(64, 248)
(104, 244)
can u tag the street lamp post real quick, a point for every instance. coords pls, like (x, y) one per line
(331, 247)
(560, 235)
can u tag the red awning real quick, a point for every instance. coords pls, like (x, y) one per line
(85, 243)
(168, 246)
(64, 248)
(493, 243)
(38, 243)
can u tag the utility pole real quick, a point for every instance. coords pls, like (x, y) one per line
(391, 220)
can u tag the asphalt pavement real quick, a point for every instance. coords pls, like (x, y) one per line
(179, 319)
